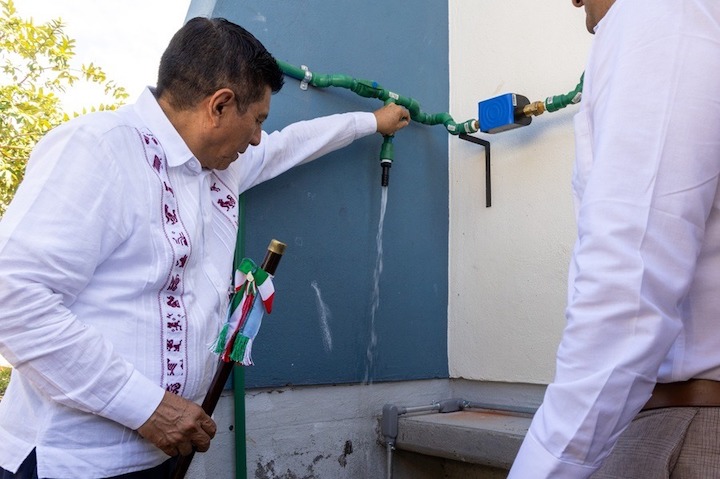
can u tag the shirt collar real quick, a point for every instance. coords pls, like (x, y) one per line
(604, 18)
(176, 151)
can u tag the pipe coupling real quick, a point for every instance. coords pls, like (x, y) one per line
(307, 79)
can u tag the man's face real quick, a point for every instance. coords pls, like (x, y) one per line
(595, 10)
(238, 131)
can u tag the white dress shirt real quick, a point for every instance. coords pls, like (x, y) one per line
(115, 264)
(644, 287)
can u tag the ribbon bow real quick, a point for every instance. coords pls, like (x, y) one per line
(244, 316)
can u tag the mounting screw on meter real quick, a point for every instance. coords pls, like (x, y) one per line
(502, 113)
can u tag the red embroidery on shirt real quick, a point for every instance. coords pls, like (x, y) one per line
(174, 326)
(180, 239)
(173, 388)
(181, 262)
(172, 302)
(173, 286)
(172, 366)
(229, 204)
(170, 216)
(172, 346)
(224, 199)
(173, 314)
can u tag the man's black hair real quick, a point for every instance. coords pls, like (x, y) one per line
(208, 54)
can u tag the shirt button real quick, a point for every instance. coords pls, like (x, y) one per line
(194, 165)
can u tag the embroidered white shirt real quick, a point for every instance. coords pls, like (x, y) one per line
(115, 263)
(644, 287)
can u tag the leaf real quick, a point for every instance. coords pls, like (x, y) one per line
(37, 63)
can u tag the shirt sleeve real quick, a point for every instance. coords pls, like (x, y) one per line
(66, 217)
(652, 180)
(299, 143)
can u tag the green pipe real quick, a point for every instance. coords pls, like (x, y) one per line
(554, 103)
(558, 102)
(371, 89)
(239, 370)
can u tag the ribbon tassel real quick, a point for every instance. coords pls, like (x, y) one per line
(236, 337)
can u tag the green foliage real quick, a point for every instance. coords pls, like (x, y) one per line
(36, 65)
(4, 380)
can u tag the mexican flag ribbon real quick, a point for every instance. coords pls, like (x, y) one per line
(245, 314)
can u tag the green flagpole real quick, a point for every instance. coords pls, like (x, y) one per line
(238, 370)
(239, 392)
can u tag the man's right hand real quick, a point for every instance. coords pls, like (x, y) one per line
(391, 118)
(178, 425)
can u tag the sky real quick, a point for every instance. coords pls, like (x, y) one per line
(124, 37)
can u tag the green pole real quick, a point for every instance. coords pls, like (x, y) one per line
(240, 452)
(238, 370)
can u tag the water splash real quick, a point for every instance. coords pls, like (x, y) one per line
(375, 303)
(325, 315)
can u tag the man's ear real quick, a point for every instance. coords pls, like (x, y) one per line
(219, 102)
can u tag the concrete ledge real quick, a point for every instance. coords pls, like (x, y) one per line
(309, 431)
(488, 438)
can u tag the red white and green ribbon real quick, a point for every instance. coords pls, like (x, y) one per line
(245, 314)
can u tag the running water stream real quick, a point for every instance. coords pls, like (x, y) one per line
(375, 303)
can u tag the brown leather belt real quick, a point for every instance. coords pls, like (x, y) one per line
(691, 393)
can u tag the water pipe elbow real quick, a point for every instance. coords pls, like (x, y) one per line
(558, 102)
(469, 126)
(412, 105)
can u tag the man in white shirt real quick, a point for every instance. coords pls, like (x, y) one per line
(636, 392)
(116, 255)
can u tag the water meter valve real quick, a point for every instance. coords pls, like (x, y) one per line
(503, 113)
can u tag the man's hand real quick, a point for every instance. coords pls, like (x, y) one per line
(177, 425)
(391, 118)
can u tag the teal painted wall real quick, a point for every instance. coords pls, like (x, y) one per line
(328, 211)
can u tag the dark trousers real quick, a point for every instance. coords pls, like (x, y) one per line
(28, 470)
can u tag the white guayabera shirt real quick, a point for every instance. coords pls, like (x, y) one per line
(115, 262)
(644, 289)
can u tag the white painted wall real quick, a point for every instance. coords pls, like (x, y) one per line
(508, 263)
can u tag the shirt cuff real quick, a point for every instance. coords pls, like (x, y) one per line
(365, 124)
(535, 462)
(135, 402)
